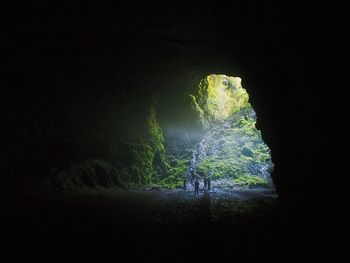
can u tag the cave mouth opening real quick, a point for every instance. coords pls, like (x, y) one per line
(231, 153)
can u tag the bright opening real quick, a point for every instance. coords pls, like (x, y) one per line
(232, 152)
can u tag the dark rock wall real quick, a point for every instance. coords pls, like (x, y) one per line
(80, 77)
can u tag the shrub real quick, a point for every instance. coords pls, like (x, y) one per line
(250, 180)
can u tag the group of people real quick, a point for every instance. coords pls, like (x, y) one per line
(206, 182)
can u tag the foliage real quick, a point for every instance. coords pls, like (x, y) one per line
(156, 142)
(175, 173)
(145, 159)
(218, 168)
(150, 165)
(156, 139)
(219, 97)
(142, 167)
(250, 180)
(200, 112)
(232, 147)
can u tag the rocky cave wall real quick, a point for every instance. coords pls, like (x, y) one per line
(78, 79)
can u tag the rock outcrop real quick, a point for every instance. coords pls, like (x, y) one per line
(87, 175)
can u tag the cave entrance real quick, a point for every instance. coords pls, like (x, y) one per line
(231, 152)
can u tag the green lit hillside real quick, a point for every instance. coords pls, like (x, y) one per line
(232, 148)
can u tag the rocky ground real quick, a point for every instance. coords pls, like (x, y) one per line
(174, 225)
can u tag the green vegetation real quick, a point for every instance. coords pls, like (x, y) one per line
(231, 148)
(200, 112)
(167, 170)
(142, 166)
(156, 142)
(218, 168)
(148, 163)
(250, 180)
(174, 175)
(234, 149)
(219, 97)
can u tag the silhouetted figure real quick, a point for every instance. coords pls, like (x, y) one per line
(184, 184)
(191, 177)
(208, 184)
(205, 183)
(196, 187)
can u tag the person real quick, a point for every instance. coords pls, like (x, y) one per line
(196, 187)
(208, 184)
(205, 183)
(184, 184)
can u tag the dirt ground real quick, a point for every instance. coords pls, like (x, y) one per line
(173, 225)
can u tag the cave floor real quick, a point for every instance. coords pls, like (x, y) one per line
(174, 224)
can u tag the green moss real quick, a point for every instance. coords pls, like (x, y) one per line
(156, 138)
(216, 167)
(174, 175)
(219, 97)
(250, 180)
(142, 166)
(169, 183)
(156, 142)
(145, 160)
(168, 171)
(232, 146)
(199, 111)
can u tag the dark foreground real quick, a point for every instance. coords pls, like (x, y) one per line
(171, 226)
